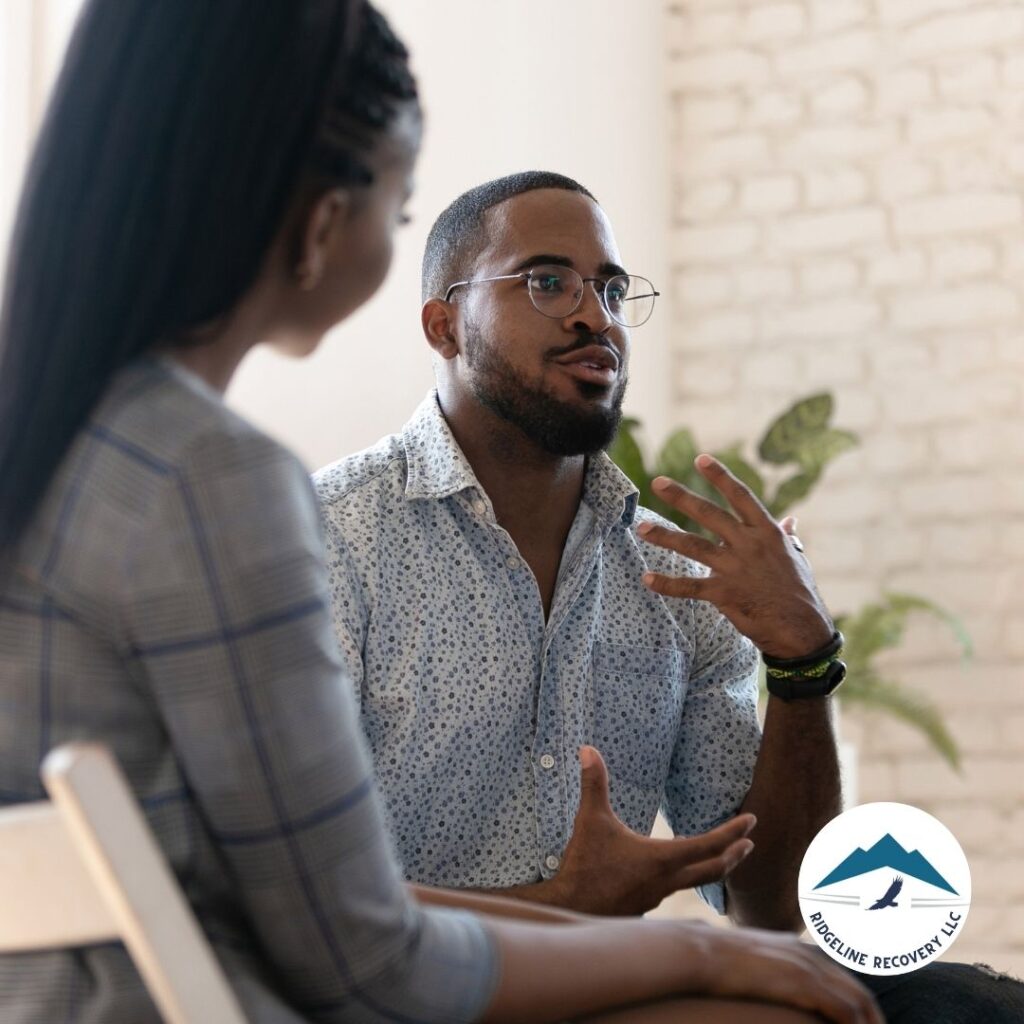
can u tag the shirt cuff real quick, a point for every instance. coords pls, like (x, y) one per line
(713, 894)
(452, 971)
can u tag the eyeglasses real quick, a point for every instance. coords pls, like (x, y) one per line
(557, 292)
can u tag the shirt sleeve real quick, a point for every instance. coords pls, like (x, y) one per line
(228, 618)
(713, 762)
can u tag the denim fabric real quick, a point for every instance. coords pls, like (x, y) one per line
(949, 993)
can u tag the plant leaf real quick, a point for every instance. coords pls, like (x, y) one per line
(789, 431)
(819, 450)
(676, 457)
(870, 692)
(675, 460)
(625, 452)
(791, 491)
(881, 625)
(908, 603)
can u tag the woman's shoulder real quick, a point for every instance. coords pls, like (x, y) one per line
(162, 459)
(177, 436)
(171, 423)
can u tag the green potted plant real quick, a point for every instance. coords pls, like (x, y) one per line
(793, 454)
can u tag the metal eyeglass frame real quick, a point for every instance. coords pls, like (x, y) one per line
(602, 293)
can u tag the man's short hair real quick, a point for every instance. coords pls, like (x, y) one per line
(457, 236)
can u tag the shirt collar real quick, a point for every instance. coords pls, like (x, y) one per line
(437, 468)
(436, 465)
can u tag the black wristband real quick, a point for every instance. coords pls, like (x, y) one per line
(830, 650)
(797, 688)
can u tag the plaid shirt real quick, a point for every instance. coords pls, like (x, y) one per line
(475, 704)
(170, 600)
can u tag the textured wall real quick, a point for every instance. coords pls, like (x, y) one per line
(848, 215)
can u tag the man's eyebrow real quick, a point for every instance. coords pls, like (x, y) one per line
(605, 269)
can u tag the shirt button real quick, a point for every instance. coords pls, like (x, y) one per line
(512, 562)
(479, 507)
(551, 862)
(547, 761)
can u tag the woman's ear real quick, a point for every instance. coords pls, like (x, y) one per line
(324, 222)
(438, 320)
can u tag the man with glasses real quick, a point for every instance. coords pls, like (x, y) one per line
(509, 615)
(488, 575)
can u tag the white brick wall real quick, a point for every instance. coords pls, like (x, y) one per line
(849, 180)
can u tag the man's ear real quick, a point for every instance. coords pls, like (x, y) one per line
(438, 320)
(325, 220)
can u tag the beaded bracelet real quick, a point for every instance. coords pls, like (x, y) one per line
(811, 666)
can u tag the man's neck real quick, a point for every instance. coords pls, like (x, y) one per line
(535, 495)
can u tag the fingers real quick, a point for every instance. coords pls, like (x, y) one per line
(789, 529)
(593, 784)
(795, 973)
(705, 512)
(739, 496)
(678, 586)
(714, 869)
(832, 991)
(777, 967)
(711, 856)
(688, 544)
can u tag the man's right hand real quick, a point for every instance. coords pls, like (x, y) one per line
(609, 869)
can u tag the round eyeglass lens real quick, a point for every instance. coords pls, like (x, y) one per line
(555, 291)
(629, 299)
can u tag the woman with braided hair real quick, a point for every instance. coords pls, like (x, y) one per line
(210, 176)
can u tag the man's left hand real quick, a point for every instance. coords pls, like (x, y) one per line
(759, 580)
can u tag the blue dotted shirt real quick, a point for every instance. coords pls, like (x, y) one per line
(475, 707)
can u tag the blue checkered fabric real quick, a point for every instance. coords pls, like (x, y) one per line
(170, 600)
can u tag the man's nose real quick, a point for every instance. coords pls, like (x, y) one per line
(590, 314)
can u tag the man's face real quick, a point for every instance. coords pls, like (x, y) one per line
(560, 381)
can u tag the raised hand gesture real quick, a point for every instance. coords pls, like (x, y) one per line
(609, 869)
(759, 580)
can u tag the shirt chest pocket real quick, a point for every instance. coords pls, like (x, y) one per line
(638, 695)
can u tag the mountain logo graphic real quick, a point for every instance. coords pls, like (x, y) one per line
(884, 888)
(886, 853)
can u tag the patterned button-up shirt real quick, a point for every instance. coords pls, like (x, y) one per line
(475, 706)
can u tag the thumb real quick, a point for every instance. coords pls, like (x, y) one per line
(593, 782)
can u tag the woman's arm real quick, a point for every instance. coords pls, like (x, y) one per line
(554, 974)
(495, 906)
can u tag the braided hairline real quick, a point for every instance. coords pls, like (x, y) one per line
(365, 101)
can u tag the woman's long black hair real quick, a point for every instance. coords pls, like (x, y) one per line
(176, 138)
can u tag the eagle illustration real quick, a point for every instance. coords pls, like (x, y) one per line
(889, 899)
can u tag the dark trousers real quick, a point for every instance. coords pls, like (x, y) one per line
(949, 993)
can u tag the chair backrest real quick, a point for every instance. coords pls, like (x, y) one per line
(85, 868)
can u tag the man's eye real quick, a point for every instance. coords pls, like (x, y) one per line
(617, 294)
(548, 282)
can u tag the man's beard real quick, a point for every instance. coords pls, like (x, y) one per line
(551, 423)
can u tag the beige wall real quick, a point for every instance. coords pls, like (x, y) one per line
(848, 180)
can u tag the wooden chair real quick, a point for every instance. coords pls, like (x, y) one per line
(84, 867)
